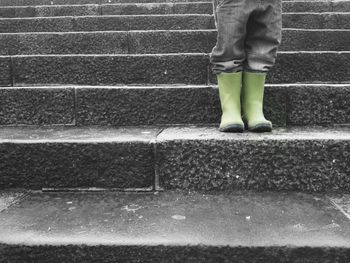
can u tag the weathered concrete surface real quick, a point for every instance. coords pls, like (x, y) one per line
(317, 20)
(157, 8)
(150, 42)
(158, 22)
(8, 198)
(82, 2)
(315, 40)
(106, 23)
(172, 41)
(310, 105)
(175, 227)
(69, 157)
(316, 6)
(5, 72)
(37, 106)
(291, 67)
(45, 11)
(52, 24)
(162, 105)
(58, 43)
(292, 159)
(175, 104)
(111, 69)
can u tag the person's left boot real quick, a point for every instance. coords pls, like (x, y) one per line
(252, 102)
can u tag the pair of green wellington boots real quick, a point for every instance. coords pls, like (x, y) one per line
(249, 86)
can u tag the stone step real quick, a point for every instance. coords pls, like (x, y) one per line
(107, 23)
(316, 6)
(155, 8)
(108, 9)
(158, 22)
(162, 41)
(295, 159)
(202, 158)
(289, 105)
(174, 227)
(35, 158)
(85, 2)
(186, 68)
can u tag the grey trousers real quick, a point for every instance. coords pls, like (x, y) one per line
(249, 33)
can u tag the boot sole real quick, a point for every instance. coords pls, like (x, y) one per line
(232, 128)
(263, 127)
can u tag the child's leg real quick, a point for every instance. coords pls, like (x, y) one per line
(227, 59)
(263, 38)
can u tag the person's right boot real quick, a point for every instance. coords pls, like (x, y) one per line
(230, 98)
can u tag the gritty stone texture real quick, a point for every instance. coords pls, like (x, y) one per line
(8, 12)
(299, 160)
(36, 106)
(46, 2)
(89, 10)
(148, 42)
(52, 24)
(340, 6)
(174, 227)
(300, 67)
(172, 42)
(152, 254)
(311, 67)
(306, 40)
(8, 198)
(307, 6)
(53, 43)
(5, 72)
(36, 158)
(310, 105)
(111, 69)
(193, 8)
(138, 9)
(166, 22)
(146, 106)
(182, 105)
(151, 1)
(320, 21)
(45, 11)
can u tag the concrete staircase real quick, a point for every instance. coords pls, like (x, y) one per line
(99, 96)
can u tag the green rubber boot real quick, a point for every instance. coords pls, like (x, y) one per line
(252, 102)
(230, 97)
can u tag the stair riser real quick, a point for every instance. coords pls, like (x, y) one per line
(307, 165)
(166, 22)
(152, 8)
(82, 2)
(156, 42)
(317, 21)
(37, 106)
(60, 165)
(123, 9)
(294, 105)
(181, 254)
(116, 23)
(161, 69)
(316, 6)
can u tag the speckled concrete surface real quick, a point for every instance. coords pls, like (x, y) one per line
(175, 227)
(317, 20)
(36, 158)
(37, 106)
(110, 69)
(294, 159)
(8, 198)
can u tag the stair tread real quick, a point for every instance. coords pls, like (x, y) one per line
(36, 134)
(176, 218)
